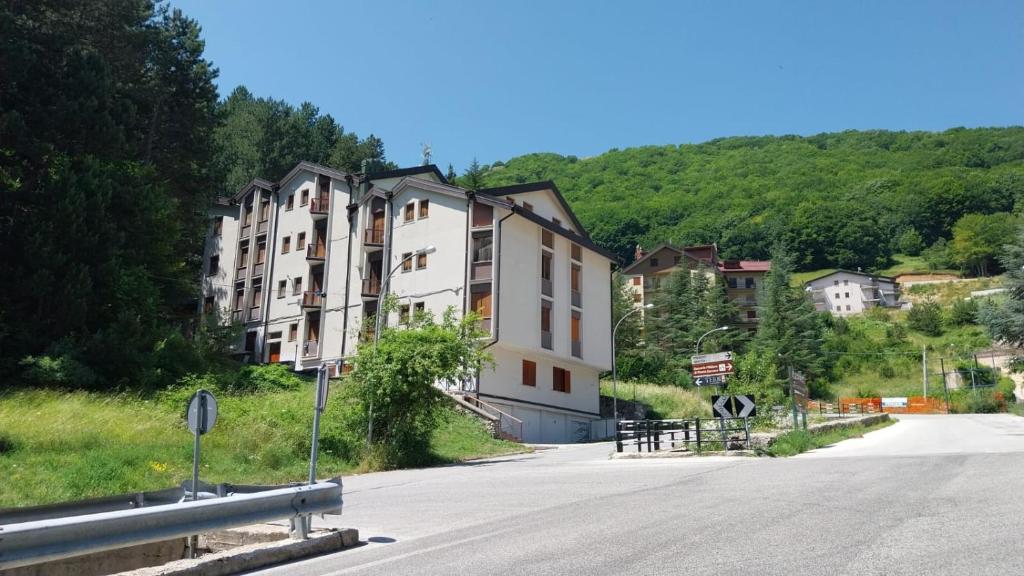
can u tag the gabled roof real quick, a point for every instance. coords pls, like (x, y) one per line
(647, 256)
(314, 168)
(744, 265)
(541, 186)
(254, 183)
(562, 231)
(413, 171)
(855, 273)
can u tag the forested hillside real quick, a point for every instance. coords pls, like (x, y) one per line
(838, 199)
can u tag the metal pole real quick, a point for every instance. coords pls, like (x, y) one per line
(792, 398)
(924, 368)
(615, 374)
(314, 452)
(945, 388)
(193, 541)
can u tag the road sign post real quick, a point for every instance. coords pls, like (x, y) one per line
(201, 416)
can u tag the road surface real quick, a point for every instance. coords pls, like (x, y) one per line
(929, 495)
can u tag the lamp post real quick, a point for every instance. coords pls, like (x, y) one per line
(615, 375)
(377, 324)
(719, 329)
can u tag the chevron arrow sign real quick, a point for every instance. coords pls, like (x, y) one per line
(736, 406)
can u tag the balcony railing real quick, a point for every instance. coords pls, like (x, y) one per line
(310, 349)
(373, 236)
(316, 252)
(481, 270)
(484, 324)
(577, 346)
(371, 287)
(236, 315)
(246, 230)
(319, 205)
(261, 227)
(577, 298)
(312, 299)
(545, 340)
(257, 270)
(255, 313)
(545, 287)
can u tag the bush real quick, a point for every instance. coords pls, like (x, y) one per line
(962, 313)
(937, 255)
(264, 378)
(867, 392)
(910, 242)
(967, 401)
(61, 370)
(926, 318)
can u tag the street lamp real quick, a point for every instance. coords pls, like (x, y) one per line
(719, 329)
(377, 323)
(615, 378)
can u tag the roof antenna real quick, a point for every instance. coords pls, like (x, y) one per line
(427, 152)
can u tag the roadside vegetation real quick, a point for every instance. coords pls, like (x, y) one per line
(662, 402)
(58, 445)
(799, 441)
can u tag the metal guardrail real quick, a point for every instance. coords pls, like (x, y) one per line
(32, 542)
(698, 434)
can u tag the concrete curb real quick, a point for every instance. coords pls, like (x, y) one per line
(253, 556)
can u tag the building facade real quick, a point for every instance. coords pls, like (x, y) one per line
(303, 264)
(650, 270)
(845, 292)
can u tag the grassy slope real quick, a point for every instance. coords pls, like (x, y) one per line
(64, 446)
(911, 265)
(665, 401)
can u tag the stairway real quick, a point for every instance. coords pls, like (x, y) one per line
(502, 425)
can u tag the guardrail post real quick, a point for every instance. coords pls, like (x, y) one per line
(618, 436)
(697, 426)
(657, 436)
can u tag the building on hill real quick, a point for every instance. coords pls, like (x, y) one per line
(845, 292)
(302, 263)
(650, 270)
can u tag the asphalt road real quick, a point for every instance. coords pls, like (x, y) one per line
(929, 495)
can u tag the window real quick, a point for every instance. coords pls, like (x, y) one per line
(247, 219)
(208, 305)
(749, 283)
(421, 261)
(675, 259)
(282, 288)
(835, 282)
(576, 252)
(547, 238)
(274, 336)
(576, 284)
(529, 373)
(732, 282)
(527, 206)
(290, 202)
(846, 282)
(545, 273)
(407, 262)
(239, 299)
(264, 211)
(751, 315)
(654, 262)
(575, 332)
(218, 225)
(847, 307)
(483, 215)
(483, 248)
(419, 308)
(297, 286)
(560, 380)
(304, 197)
(838, 308)
(847, 295)
(637, 280)
(424, 208)
(286, 244)
(214, 266)
(403, 314)
(410, 211)
(293, 332)
(638, 297)
(300, 242)
(545, 324)
(261, 252)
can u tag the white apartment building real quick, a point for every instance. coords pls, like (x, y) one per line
(845, 292)
(301, 263)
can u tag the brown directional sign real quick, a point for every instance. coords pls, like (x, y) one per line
(713, 368)
(798, 386)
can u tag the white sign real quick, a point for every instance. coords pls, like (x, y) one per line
(896, 402)
(711, 358)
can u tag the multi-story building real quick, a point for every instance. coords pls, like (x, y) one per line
(650, 270)
(846, 292)
(304, 262)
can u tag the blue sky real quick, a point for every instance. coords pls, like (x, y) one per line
(494, 80)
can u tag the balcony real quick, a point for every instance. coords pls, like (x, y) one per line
(577, 298)
(262, 227)
(577, 347)
(318, 207)
(545, 340)
(484, 324)
(545, 287)
(246, 230)
(481, 271)
(255, 313)
(240, 274)
(371, 287)
(373, 237)
(310, 349)
(312, 299)
(315, 253)
(257, 270)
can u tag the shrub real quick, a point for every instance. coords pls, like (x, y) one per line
(962, 313)
(910, 242)
(60, 370)
(264, 378)
(926, 318)
(867, 392)
(895, 333)
(967, 401)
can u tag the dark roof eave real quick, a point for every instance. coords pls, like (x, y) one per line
(854, 272)
(537, 187)
(569, 234)
(400, 172)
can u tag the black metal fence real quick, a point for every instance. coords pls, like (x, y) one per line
(698, 434)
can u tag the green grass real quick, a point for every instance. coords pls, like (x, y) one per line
(911, 265)
(798, 441)
(665, 402)
(799, 278)
(946, 292)
(57, 446)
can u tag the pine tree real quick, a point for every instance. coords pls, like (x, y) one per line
(451, 175)
(473, 179)
(790, 329)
